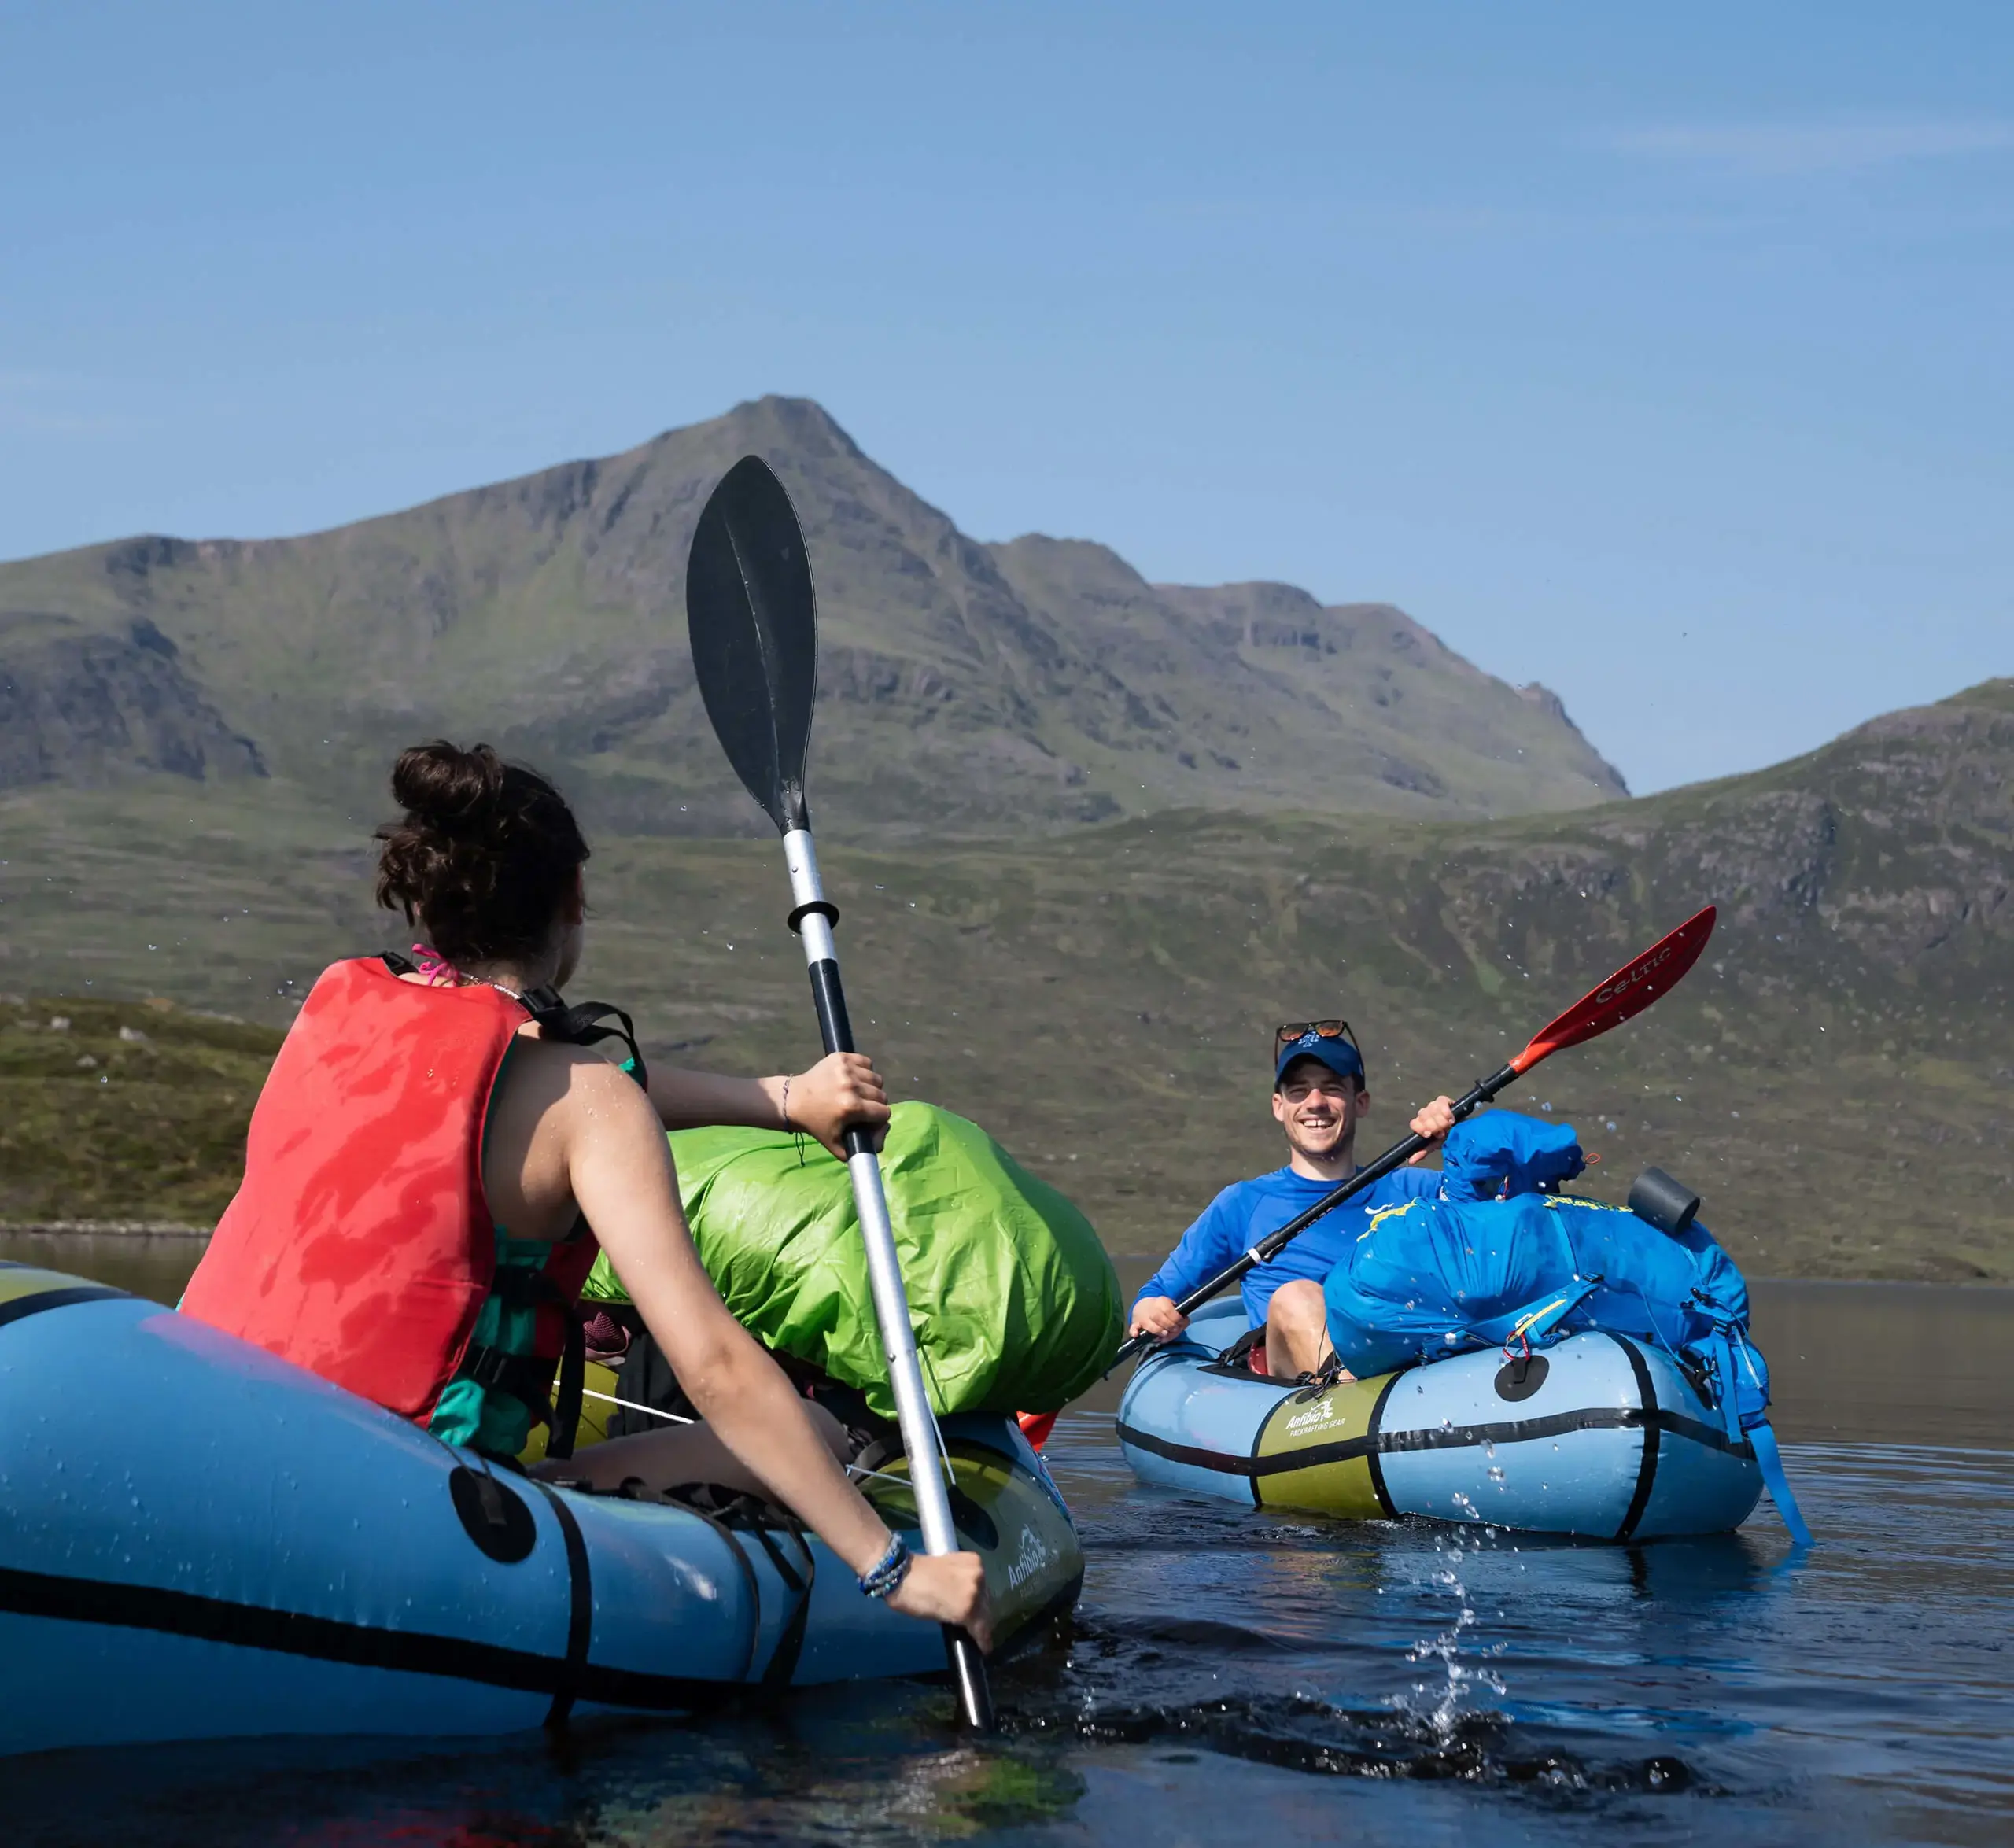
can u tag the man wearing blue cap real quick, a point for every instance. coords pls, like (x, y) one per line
(1319, 1097)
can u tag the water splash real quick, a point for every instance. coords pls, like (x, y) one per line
(1444, 1704)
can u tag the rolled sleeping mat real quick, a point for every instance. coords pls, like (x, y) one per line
(1666, 1204)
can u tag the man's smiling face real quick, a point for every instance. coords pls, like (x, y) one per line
(1318, 1109)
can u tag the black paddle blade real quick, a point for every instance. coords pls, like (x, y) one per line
(753, 622)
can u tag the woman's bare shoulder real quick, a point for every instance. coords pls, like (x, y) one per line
(546, 1073)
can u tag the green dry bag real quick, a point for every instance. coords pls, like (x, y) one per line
(1016, 1305)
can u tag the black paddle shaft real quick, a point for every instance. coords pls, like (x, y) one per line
(1274, 1242)
(828, 996)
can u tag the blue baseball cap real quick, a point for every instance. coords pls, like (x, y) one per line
(1335, 1053)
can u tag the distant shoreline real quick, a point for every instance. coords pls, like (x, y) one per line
(102, 1228)
(1128, 1262)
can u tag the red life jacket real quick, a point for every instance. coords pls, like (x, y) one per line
(360, 1245)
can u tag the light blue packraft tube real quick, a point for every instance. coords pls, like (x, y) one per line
(198, 1540)
(1599, 1435)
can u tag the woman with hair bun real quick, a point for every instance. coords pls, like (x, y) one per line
(436, 1158)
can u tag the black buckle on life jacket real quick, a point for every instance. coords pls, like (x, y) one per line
(523, 1376)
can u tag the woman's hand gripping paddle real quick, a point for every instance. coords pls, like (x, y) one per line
(754, 619)
(1624, 994)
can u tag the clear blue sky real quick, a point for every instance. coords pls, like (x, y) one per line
(1661, 355)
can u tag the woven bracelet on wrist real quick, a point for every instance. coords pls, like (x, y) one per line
(880, 1580)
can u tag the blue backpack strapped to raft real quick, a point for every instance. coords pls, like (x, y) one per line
(1436, 1278)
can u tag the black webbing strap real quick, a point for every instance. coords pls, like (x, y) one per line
(1239, 1353)
(565, 1424)
(527, 1377)
(580, 1603)
(584, 1023)
(790, 1641)
(749, 1582)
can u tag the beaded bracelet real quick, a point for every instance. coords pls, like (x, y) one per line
(879, 1580)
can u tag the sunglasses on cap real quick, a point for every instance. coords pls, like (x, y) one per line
(1288, 1031)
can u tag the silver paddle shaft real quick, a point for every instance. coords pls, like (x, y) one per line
(812, 914)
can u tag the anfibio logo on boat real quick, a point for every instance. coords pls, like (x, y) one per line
(1034, 1555)
(1321, 1412)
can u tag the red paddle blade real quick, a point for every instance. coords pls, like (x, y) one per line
(1626, 993)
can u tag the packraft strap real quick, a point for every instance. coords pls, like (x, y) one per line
(1730, 1347)
(749, 1582)
(1719, 1347)
(1778, 1483)
(583, 1024)
(1239, 1353)
(790, 1641)
(1720, 1371)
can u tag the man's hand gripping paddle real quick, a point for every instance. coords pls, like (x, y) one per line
(1624, 994)
(753, 620)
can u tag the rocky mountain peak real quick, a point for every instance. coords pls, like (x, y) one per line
(966, 687)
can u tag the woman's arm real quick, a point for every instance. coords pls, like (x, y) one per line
(843, 1089)
(621, 1177)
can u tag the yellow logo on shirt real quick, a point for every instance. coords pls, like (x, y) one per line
(1380, 1214)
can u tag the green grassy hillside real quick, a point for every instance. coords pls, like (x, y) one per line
(1833, 1077)
(123, 1110)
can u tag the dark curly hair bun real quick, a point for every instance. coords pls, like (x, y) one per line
(486, 857)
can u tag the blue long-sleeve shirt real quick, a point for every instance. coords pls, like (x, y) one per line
(1245, 1212)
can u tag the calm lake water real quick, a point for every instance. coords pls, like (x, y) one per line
(1234, 1678)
